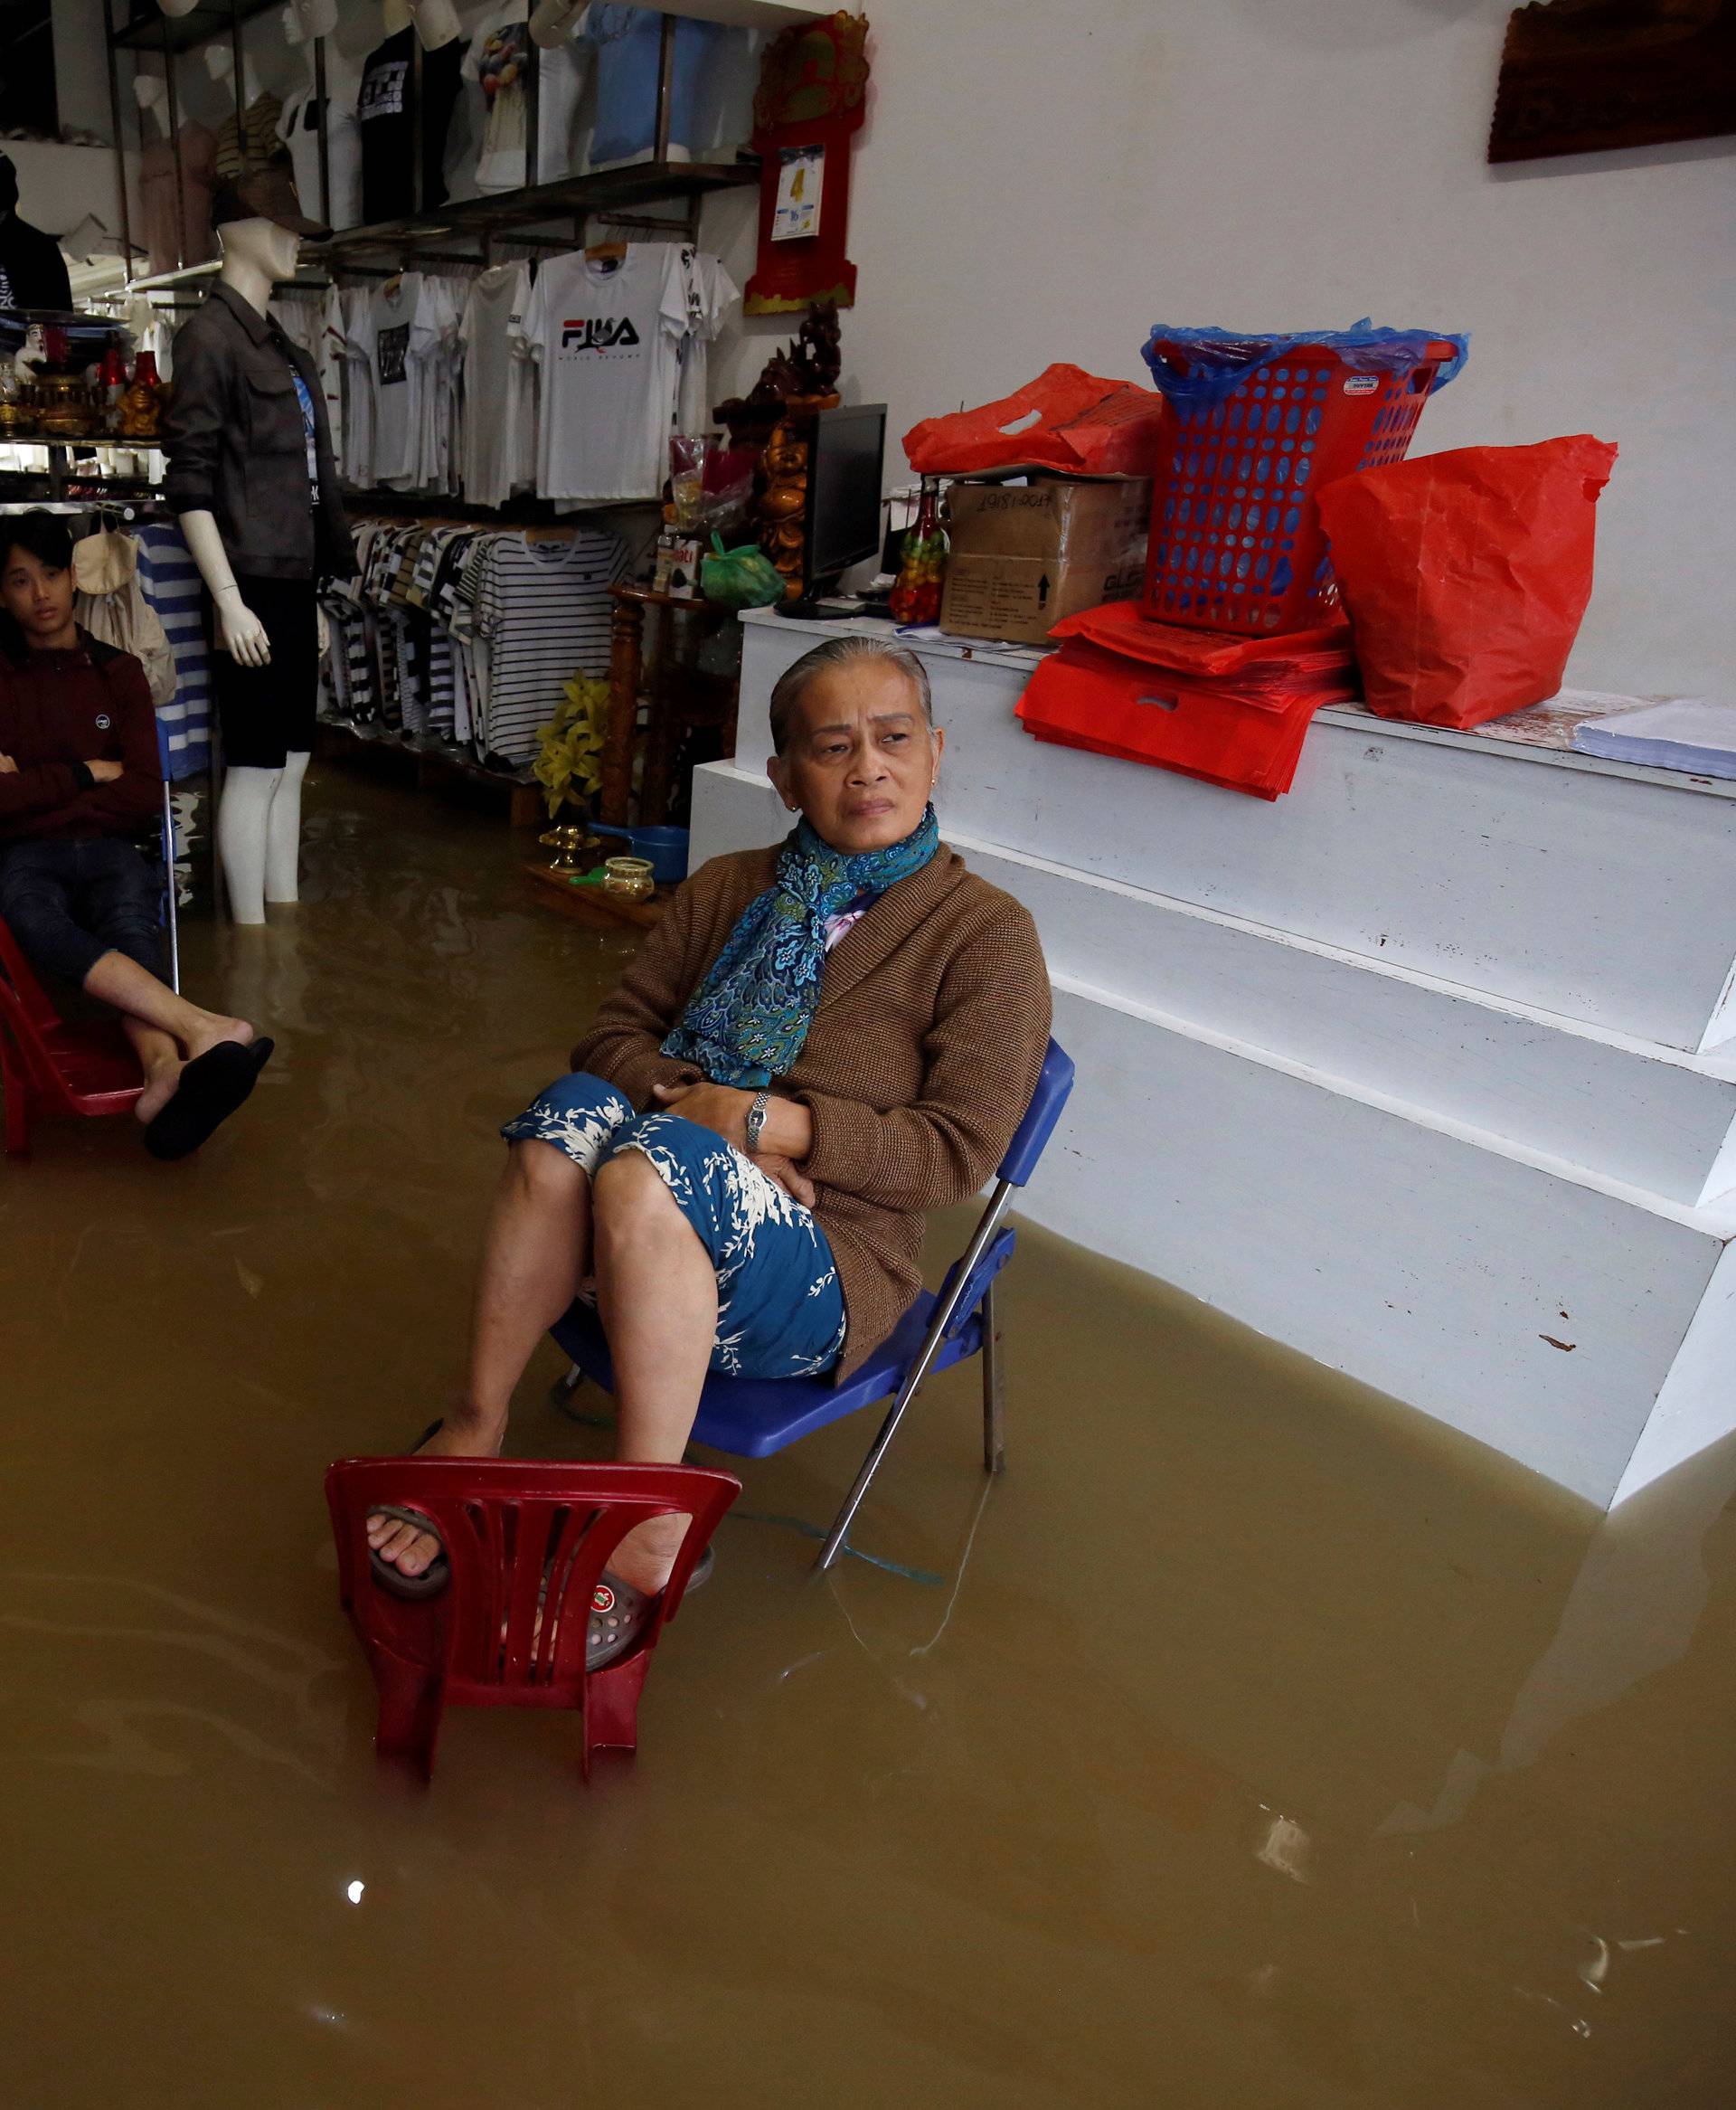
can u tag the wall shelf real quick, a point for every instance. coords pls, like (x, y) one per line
(153, 31)
(574, 198)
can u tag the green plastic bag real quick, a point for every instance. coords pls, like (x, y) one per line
(743, 578)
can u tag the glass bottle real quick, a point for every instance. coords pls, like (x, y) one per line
(922, 563)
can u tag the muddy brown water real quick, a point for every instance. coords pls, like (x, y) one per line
(1255, 1742)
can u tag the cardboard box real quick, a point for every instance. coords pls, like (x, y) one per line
(1024, 555)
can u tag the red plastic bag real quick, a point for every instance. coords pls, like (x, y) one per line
(1083, 423)
(1266, 672)
(1085, 696)
(1465, 574)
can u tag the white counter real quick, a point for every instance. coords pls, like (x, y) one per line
(1400, 1069)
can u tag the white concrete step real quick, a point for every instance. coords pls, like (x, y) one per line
(1555, 1310)
(1635, 1113)
(1551, 1319)
(1591, 890)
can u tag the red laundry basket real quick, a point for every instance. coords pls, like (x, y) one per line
(1236, 541)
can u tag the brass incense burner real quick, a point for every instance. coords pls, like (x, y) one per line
(567, 842)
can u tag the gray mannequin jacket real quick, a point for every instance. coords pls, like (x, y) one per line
(237, 448)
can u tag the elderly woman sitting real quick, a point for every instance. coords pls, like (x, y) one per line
(817, 1043)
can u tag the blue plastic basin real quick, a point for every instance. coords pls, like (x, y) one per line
(666, 848)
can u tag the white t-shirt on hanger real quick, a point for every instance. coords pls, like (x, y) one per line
(606, 335)
(499, 423)
(298, 129)
(434, 466)
(711, 294)
(399, 328)
(494, 71)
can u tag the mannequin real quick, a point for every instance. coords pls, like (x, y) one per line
(305, 19)
(436, 21)
(151, 95)
(247, 432)
(552, 21)
(220, 64)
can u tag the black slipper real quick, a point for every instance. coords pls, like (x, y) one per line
(212, 1086)
(387, 1573)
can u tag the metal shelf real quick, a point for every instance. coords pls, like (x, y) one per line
(506, 215)
(156, 31)
(572, 198)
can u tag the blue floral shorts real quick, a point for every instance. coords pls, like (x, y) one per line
(780, 1306)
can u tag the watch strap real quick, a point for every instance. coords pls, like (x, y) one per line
(755, 1124)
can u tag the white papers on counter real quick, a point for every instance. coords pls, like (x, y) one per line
(1690, 733)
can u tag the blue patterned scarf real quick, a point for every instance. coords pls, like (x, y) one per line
(746, 1022)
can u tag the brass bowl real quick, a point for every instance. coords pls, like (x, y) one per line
(628, 878)
(64, 408)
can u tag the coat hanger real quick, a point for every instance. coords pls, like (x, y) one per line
(606, 252)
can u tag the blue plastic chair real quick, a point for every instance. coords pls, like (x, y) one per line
(752, 1418)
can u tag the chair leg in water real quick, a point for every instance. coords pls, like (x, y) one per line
(611, 1707)
(945, 1311)
(412, 1702)
(993, 1386)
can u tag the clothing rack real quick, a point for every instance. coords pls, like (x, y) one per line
(615, 194)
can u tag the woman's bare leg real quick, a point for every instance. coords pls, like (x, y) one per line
(536, 1253)
(657, 1291)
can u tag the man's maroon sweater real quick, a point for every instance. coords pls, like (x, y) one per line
(58, 710)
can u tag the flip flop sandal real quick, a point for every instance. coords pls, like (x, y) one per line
(619, 1613)
(211, 1087)
(387, 1573)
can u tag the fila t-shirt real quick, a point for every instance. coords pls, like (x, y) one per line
(605, 334)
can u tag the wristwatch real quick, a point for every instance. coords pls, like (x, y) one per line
(756, 1121)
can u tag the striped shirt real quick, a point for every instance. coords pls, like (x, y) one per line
(171, 585)
(544, 612)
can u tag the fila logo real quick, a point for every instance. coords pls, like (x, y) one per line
(597, 335)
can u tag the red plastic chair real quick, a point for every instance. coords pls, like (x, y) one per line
(48, 1065)
(528, 1544)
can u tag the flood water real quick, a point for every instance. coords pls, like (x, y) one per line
(1253, 1743)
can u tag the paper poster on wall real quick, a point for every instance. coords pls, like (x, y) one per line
(801, 176)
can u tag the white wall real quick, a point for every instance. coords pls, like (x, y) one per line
(1039, 182)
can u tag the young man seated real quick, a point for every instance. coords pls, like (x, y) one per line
(78, 778)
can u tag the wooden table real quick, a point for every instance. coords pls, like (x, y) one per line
(677, 697)
(594, 905)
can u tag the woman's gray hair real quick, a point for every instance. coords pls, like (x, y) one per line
(842, 652)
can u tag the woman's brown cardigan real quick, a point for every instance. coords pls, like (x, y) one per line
(921, 1059)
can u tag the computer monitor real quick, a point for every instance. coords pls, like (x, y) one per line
(843, 477)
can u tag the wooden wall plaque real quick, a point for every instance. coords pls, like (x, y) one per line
(1583, 76)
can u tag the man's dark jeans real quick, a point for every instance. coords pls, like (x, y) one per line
(69, 902)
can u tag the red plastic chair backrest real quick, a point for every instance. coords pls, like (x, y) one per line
(527, 1543)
